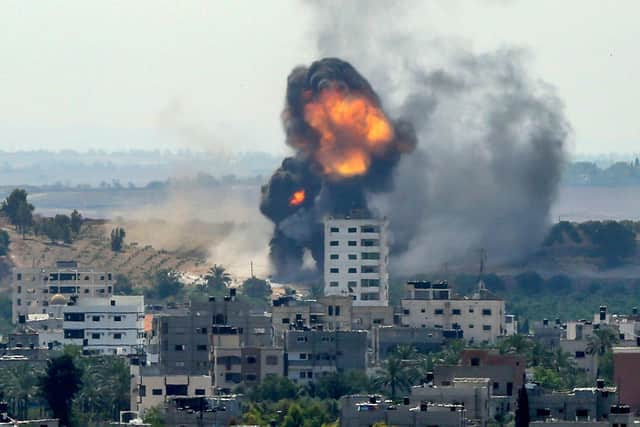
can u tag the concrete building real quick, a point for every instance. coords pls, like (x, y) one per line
(365, 411)
(473, 393)
(433, 305)
(626, 375)
(217, 411)
(112, 325)
(234, 365)
(311, 354)
(505, 371)
(356, 255)
(580, 404)
(33, 287)
(387, 338)
(151, 387)
(548, 334)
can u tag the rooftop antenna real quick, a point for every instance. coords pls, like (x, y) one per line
(483, 260)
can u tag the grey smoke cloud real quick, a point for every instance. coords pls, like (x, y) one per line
(492, 139)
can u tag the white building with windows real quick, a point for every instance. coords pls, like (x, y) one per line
(107, 326)
(356, 255)
(481, 317)
(32, 288)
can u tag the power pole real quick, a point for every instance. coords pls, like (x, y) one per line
(251, 264)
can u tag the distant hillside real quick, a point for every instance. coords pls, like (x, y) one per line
(92, 248)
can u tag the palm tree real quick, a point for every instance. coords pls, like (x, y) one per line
(405, 352)
(518, 344)
(601, 341)
(393, 376)
(21, 383)
(217, 278)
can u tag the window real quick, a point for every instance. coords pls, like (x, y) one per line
(19, 289)
(352, 230)
(302, 374)
(179, 347)
(74, 333)
(353, 270)
(353, 243)
(334, 256)
(486, 327)
(200, 392)
(74, 317)
(142, 391)
(370, 296)
(353, 257)
(334, 243)
(337, 311)
(251, 360)
(19, 276)
(370, 242)
(369, 269)
(369, 283)
(369, 229)
(580, 354)
(352, 283)
(303, 356)
(285, 320)
(272, 360)
(456, 311)
(486, 312)
(156, 392)
(201, 347)
(471, 326)
(335, 230)
(333, 284)
(95, 336)
(117, 318)
(475, 361)
(334, 270)
(177, 389)
(330, 310)
(117, 336)
(95, 318)
(470, 309)
(301, 339)
(370, 255)
(496, 386)
(438, 311)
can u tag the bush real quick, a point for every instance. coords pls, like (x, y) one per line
(4, 242)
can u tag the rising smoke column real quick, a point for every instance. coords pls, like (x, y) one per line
(493, 138)
(346, 148)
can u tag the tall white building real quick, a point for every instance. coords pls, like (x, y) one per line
(32, 288)
(356, 255)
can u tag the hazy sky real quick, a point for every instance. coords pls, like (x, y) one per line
(211, 74)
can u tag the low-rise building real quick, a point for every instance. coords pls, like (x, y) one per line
(433, 305)
(387, 339)
(580, 404)
(216, 411)
(365, 411)
(311, 354)
(626, 375)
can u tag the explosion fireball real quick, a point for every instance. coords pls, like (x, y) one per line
(297, 198)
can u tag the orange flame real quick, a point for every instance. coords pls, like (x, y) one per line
(297, 198)
(351, 128)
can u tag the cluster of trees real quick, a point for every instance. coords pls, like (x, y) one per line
(19, 212)
(117, 239)
(77, 390)
(4, 242)
(588, 173)
(612, 241)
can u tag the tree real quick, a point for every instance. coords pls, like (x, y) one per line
(393, 376)
(18, 210)
(123, 285)
(167, 284)
(20, 385)
(4, 242)
(154, 416)
(217, 278)
(256, 288)
(529, 281)
(76, 221)
(274, 387)
(601, 341)
(522, 409)
(59, 385)
(117, 239)
(518, 344)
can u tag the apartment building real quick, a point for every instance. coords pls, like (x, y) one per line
(579, 404)
(311, 354)
(356, 256)
(433, 305)
(33, 287)
(626, 375)
(106, 326)
(234, 365)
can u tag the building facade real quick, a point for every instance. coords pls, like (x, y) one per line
(356, 255)
(32, 288)
(433, 305)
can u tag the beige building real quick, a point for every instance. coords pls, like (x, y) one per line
(32, 288)
(433, 305)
